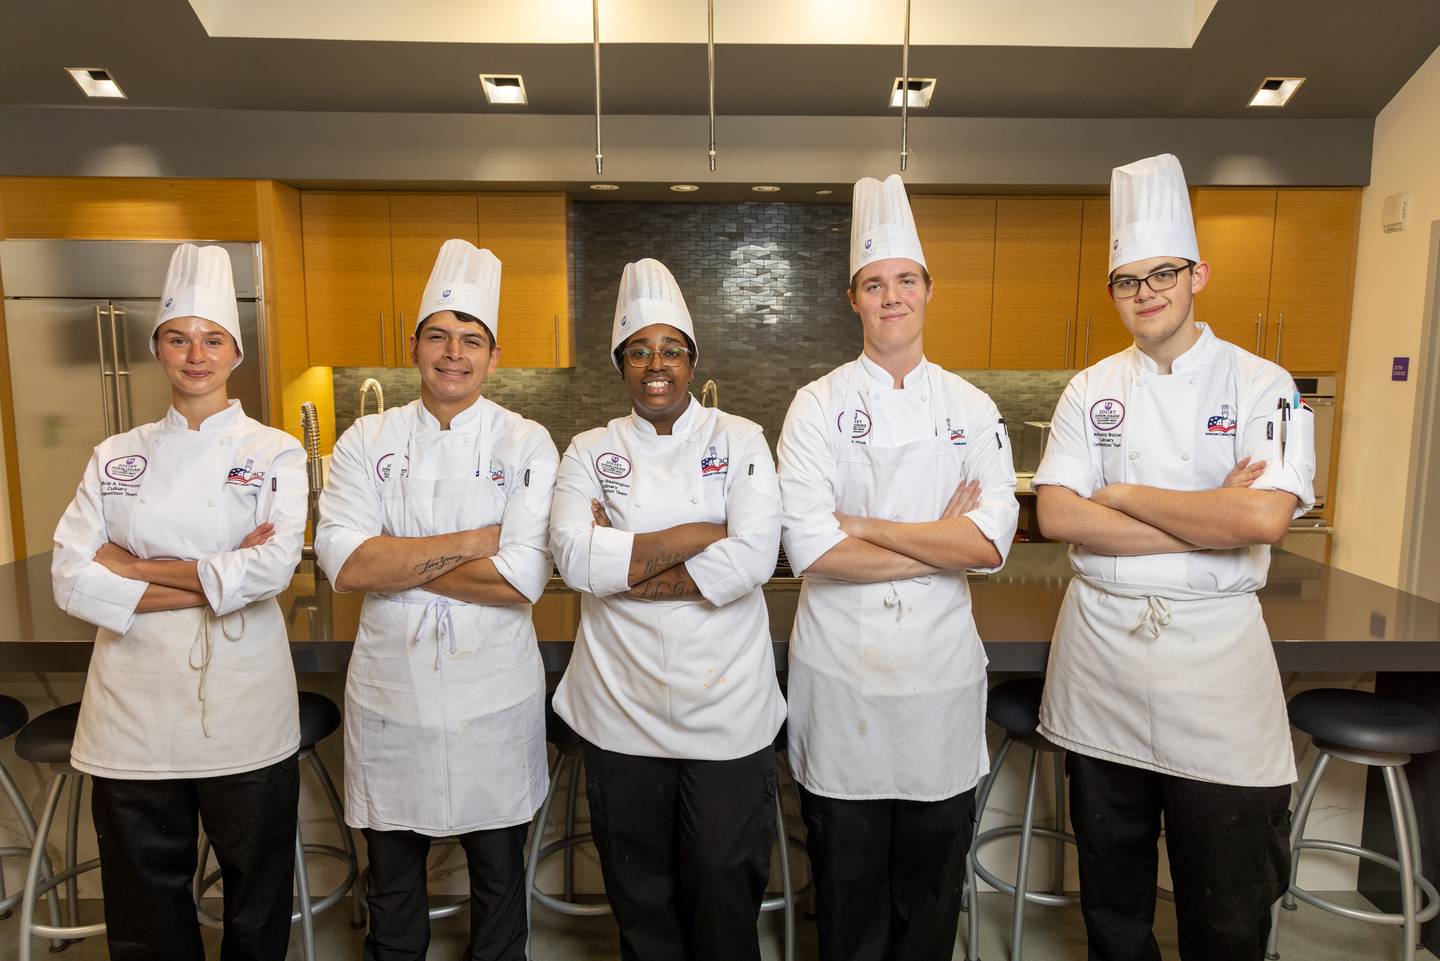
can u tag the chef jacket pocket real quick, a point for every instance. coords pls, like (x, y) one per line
(402, 752)
(490, 753)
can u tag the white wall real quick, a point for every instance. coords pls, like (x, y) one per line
(1378, 426)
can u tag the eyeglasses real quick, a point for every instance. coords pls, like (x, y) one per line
(669, 356)
(1162, 279)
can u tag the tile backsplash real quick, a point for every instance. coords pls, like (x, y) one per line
(765, 284)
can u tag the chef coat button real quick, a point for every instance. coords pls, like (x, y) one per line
(1194, 381)
(1184, 456)
(694, 500)
(144, 499)
(638, 505)
(923, 398)
(1134, 455)
(211, 503)
(160, 442)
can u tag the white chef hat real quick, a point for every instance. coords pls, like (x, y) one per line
(465, 278)
(1150, 212)
(649, 295)
(199, 283)
(881, 225)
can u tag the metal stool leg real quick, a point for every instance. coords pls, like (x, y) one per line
(1022, 869)
(27, 827)
(37, 853)
(72, 847)
(1058, 865)
(537, 835)
(1297, 831)
(572, 794)
(972, 941)
(302, 884)
(787, 886)
(1404, 855)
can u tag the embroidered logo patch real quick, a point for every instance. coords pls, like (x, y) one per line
(383, 465)
(1222, 424)
(245, 476)
(127, 468)
(859, 424)
(957, 434)
(497, 473)
(1107, 414)
(612, 465)
(713, 465)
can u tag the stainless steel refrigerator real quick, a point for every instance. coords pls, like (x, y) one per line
(78, 315)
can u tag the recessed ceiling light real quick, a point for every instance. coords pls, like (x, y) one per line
(604, 186)
(921, 90)
(1276, 91)
(824, 193)
(507, 88)
(96, 82)
(684, 188)
(765, 189)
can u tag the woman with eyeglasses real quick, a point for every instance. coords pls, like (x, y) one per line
(667, 521)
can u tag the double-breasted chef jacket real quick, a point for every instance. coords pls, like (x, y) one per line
(694, 678)
(1163, 661)
(445, 700)
(198, 692)
(887, 681)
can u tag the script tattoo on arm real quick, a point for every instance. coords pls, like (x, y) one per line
(438, 563)
(675, 584)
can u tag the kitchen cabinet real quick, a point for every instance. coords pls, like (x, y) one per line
(958, 236)
(1236, 232)
(349, 290)
(1311, 279)
(530, 233)
(1037, 269)
(420, 223)
(1098, 330)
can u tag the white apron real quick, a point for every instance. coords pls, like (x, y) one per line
(445, 700)
(887, 681)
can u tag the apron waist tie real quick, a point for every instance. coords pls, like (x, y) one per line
(1154, 617)
(438, 612)
(206, 647)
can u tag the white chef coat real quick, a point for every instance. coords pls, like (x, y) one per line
(201, 691)
(1163, 661)
(887, 681)
(445, 700)
(691, 678)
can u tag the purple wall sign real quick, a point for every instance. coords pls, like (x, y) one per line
(1400, 369)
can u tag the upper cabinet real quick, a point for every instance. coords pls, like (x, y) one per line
(368, 257)
(958, 234)
(1236, 231)
(1037, 269)
(1098, 331)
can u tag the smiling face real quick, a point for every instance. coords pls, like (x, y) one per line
(454, 357)
(1157, 319)
(660, 394)
(890, 297)
(197, 356)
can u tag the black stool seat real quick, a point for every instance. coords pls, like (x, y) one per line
(560, 734)
(319, 718)
(1363, 721)
(47, 739)
(1015, 706)
(12, 716)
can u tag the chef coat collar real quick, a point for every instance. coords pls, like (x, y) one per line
(467, 419)
(1194, 359)
(220, 420)
(881, 377)
(682, 426)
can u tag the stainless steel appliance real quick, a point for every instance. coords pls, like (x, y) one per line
(78, 315)
(1032, 447)
(1319, 393)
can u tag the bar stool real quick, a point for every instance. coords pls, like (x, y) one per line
(47, 740)
(788, 896)
(319, 718)
(1377, 731)
(1015, 706)
(13, 717)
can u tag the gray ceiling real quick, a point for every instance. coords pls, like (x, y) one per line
(1355, 54)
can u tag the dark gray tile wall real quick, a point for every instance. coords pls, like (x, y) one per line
(765, 284)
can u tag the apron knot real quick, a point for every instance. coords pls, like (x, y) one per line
(438, 617)
(204, 645)
(1155, 617)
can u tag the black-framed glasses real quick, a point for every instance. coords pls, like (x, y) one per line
(670, 356)
(1157, 281)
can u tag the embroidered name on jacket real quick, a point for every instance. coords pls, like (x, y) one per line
(246, 476)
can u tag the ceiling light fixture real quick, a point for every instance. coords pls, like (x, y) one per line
(96, 82)
(684, 188)
(765, 189)
(604, 186)
(504, 88)
(921, 90)
(1276, 91)
(824, 193)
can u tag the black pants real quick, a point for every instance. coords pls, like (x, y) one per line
(1229, 860)
(888, 875)
(148, 834)
(685, 851)
(397, 897)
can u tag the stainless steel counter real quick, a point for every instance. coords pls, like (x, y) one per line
(1323, 619)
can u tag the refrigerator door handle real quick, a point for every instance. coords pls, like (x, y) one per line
(106, 376)
(122, 410)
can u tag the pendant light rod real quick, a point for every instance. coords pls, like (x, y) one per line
(710, 51)
(599, 155)
(904, 94)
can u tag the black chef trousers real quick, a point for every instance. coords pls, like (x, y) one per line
(685, 851)
(397, 896)
(1229, 860)
(148, 835)
(888, 875)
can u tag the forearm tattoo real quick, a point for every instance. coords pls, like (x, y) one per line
(437, 563)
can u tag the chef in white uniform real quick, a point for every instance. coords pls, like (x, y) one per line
(667, 521)
(1171, 468)
(438, 510)
(179, 537)
(896, 477)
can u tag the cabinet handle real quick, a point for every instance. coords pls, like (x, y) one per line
(555, 318)
(1065, 359)
(1087, 341)
(382, 338)
(1279, 334)
(399, 338)
(1259, 326)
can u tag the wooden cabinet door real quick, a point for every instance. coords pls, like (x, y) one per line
(1308, 325)
(530, 235)
(1098, 331)
(1236, 231)
(958, 237)
(420, 223)
(1037, 269)
(348, 296)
